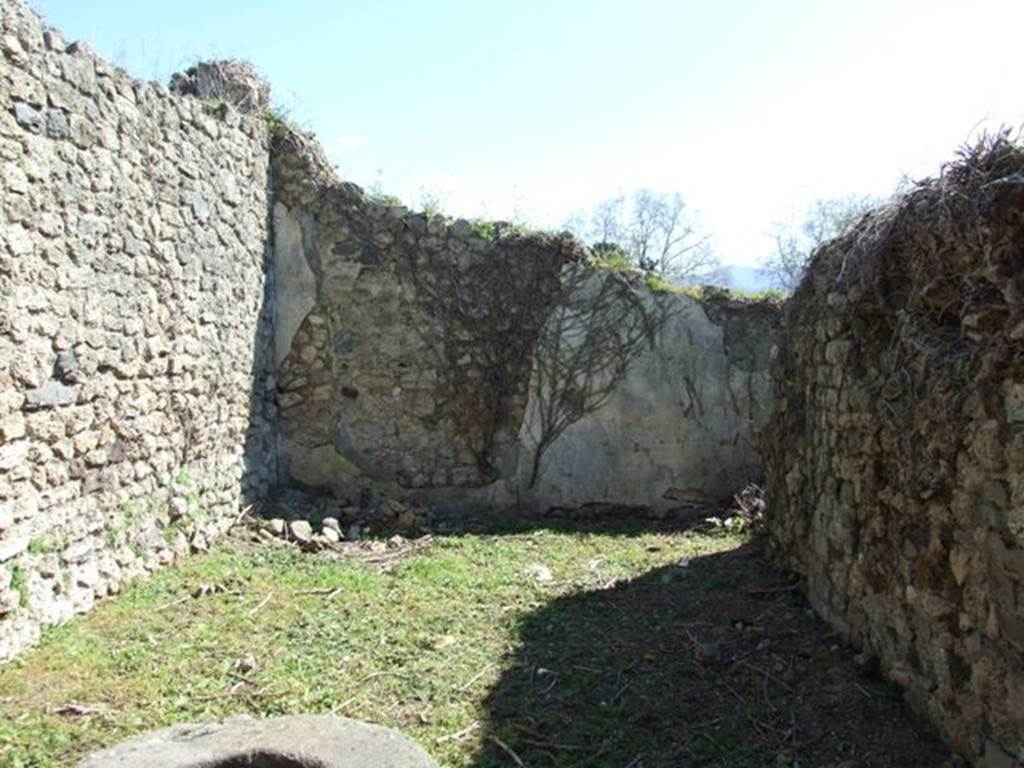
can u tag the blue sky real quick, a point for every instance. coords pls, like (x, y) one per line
(750, 109)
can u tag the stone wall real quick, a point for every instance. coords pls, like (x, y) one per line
(158, 355)
(896, 456)
(431, 359)
(133, 332)
(678, 429)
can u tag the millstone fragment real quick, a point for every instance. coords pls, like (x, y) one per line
(298, 741)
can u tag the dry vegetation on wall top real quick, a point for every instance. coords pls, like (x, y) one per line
(897, 483)
(889, 261)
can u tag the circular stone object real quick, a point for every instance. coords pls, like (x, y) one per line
(300, 741)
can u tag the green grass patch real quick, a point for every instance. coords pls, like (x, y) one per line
(769, 294)
(19, 585)
(659, 284)
(458, 646)
(490, 231)
(616, 260)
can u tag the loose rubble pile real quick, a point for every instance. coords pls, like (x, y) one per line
(318, 523)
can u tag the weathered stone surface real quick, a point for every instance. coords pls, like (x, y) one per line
(12, 546)
(51, 395)
(134, 344)
(413, 354)
(893, 464)
(300, 741)
(681, 424)
(232, 82)
(295, 285)
(29, 118)
(301, 531)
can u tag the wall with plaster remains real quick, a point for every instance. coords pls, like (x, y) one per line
(196, 313)
(431, 359)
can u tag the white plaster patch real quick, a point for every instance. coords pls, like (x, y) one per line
(294, 282)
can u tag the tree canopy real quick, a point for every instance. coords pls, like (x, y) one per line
(825, 220)
(653, 231)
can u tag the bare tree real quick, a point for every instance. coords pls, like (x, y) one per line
(606, 220)
(666, 239)
(787, 265)
(825, 220)
(654, 231)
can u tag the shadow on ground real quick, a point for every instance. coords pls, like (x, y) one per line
(715, 663)
(625, 523)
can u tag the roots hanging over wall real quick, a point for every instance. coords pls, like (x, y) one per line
(491, 310)
(599, 326)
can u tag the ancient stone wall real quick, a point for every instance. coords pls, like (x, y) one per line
(158, 354)
(404, 342)
(461, 362)
(133, 330)
(677, 427)
(896, 456)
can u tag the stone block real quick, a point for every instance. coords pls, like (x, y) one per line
(299, 740)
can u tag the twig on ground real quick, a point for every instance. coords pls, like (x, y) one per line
(459, 735)
(769, 591)
(550, 745)
(241, 513)
(263, 602)
(171, 604)
(767, 674)
(550, 685)
(329, 591)
(338, 707)
(618, 693)
(508, 751)
(202, 590)
(76, 710)
(465, 686)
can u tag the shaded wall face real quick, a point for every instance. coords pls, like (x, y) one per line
(403, 343)
(436, 359)
(896, 456)
(363, 363)
(133, 331)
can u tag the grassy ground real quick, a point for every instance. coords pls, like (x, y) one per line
(626, 657)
